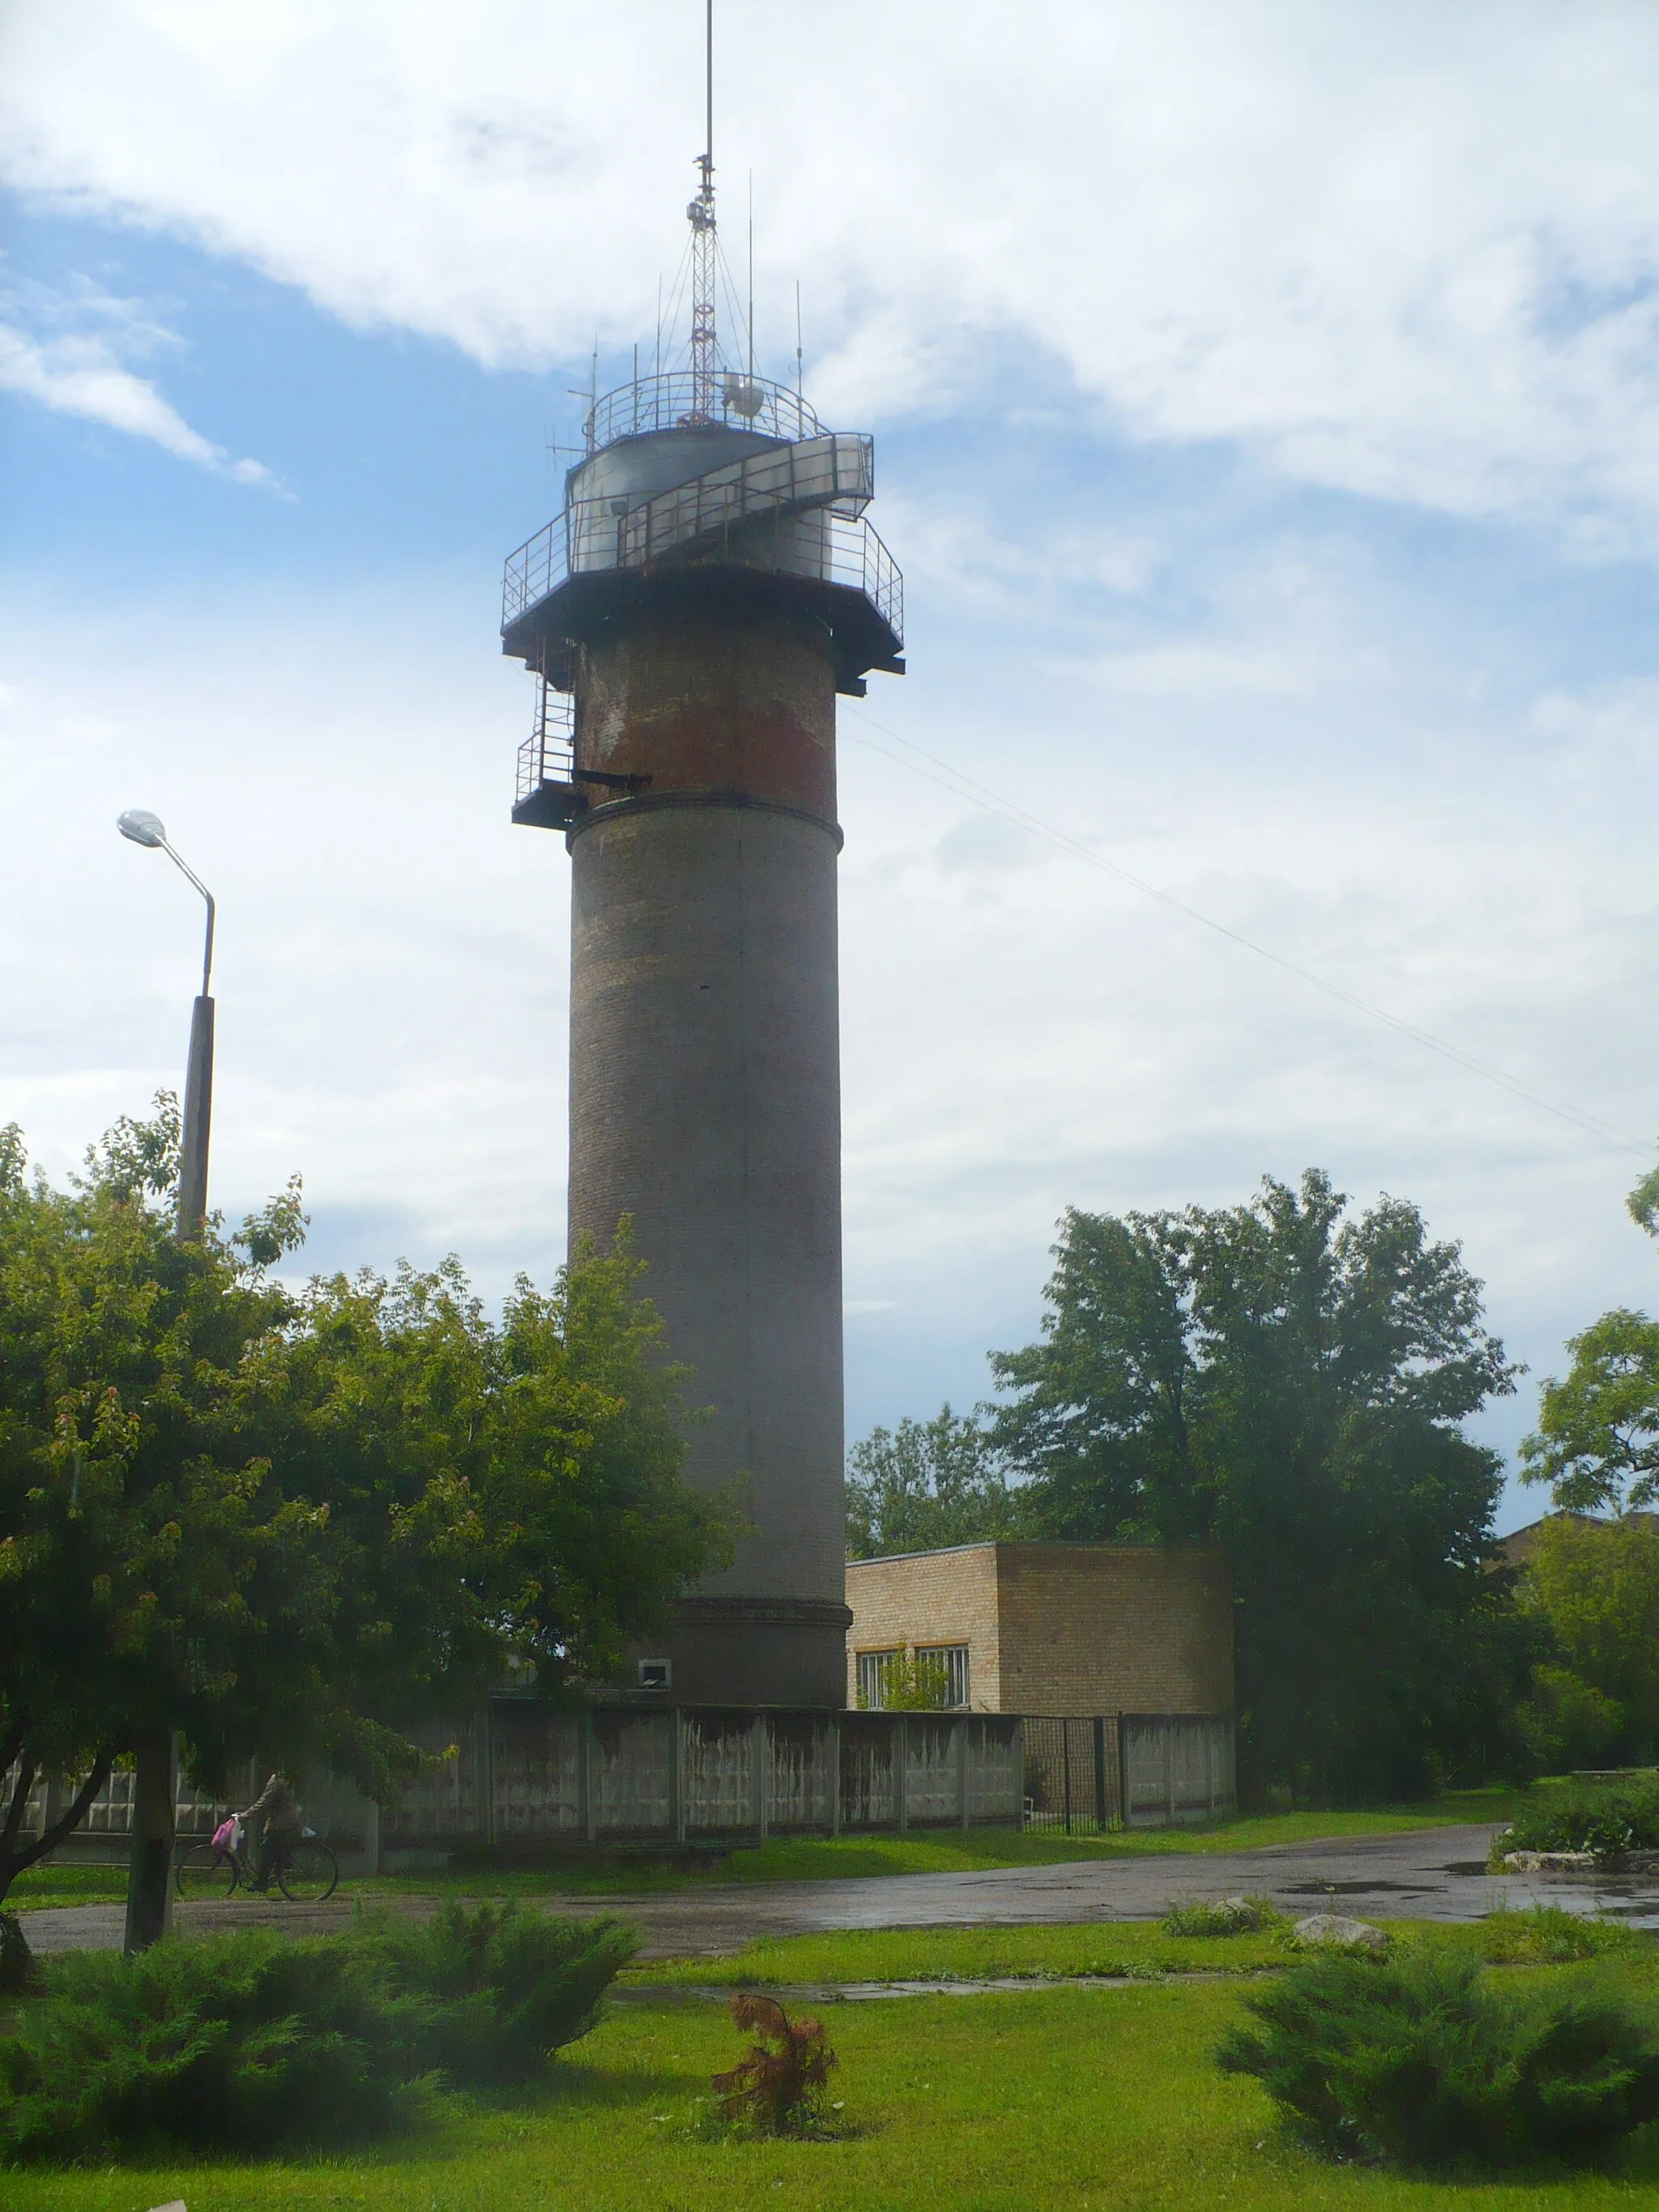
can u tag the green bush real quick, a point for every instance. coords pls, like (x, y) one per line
(1422, 2059)
(243, 2044)
(1607, 1818)
(256, 2042)
(1549, 1935)
(1225, 1915)
(1567, 1721)
(487, 1994)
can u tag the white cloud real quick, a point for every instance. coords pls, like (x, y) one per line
(78, 373)
(1411, 252)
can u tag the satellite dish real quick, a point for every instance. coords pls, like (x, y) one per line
(743, 398)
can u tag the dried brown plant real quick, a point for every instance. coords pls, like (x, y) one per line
(776, 2086)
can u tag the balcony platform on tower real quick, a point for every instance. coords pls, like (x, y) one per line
(755, 507)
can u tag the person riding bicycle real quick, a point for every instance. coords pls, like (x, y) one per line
(278, 1809)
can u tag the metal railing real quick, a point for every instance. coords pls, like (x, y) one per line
(837, 470)
(669, 403)
(538, 567)
(548, 755)
(847, 550)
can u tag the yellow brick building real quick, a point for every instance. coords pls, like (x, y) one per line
(1051, 1628)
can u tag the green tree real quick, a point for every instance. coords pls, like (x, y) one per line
(516, 1483)
(1288, 1382)
(1595, 1583)
(146, 1562)
(1644, 1202)
(912, 1682)
(1597, 1440)
(294, 1523)
(926, 1485)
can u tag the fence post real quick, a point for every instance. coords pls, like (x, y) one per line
(1170, 1766)
(899, 1752)
(677, 1774)
(1066, 1768)
(762, 1768)
(487, 1774)
(585, 1805)
(962, 1766)
(1122, 1772)
(833, 1754)
(1100, 1771)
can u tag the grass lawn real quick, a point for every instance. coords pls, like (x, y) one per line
(50, 1885)
(1066, 2098)
(1137, 1948)
(904, 1955)
(820, 1858)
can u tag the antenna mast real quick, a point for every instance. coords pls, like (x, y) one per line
(705, 350)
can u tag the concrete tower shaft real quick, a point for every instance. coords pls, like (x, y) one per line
(705, 1093)
(703, 598)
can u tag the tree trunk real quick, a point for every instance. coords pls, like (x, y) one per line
(14, 1861)
(149, 1875)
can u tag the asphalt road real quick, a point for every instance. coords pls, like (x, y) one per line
(1431, 1874)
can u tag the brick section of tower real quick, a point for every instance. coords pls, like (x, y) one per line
(705, 1093)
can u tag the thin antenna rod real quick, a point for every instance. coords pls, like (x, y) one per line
(751, 271)
(705, 273)
(659, 369)
(800, 384)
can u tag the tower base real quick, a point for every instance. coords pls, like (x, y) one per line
(749, 1650)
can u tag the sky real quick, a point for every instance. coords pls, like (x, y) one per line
(1267, 409)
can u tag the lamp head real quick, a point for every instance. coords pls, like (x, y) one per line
(142, 826)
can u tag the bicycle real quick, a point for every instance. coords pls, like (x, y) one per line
(306, 1871)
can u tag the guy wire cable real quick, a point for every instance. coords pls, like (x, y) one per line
(965, 786)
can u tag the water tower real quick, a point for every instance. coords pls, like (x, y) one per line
(710, 585)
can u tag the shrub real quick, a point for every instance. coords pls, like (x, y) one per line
(1421, 2058)
(776, 2089)
(487, 1994)
(1607, 1818)
(243, 2044)
(1566, 1721)
(255, 2042)
(1549, 1935)
(1225, 1916)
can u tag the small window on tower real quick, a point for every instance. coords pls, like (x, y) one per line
(655, 1673)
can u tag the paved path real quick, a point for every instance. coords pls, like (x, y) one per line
(1429, 1873)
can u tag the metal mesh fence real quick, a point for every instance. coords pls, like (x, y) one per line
(1126, 1769)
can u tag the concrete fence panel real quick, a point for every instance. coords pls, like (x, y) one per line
(517, 1776)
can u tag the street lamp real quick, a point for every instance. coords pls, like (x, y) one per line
(154, 1790)
(145, 828)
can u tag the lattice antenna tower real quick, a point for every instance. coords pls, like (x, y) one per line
(705, 345)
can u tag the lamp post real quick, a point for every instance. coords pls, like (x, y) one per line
(149, 1873)
(145, 828)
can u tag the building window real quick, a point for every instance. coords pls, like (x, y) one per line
(655, 1673)
(934, 1676)
(872, 1679)
(952, 1659)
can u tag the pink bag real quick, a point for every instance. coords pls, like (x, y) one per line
(227, 1834)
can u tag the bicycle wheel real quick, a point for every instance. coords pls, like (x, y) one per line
(308, 1875)
(203, 1870)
